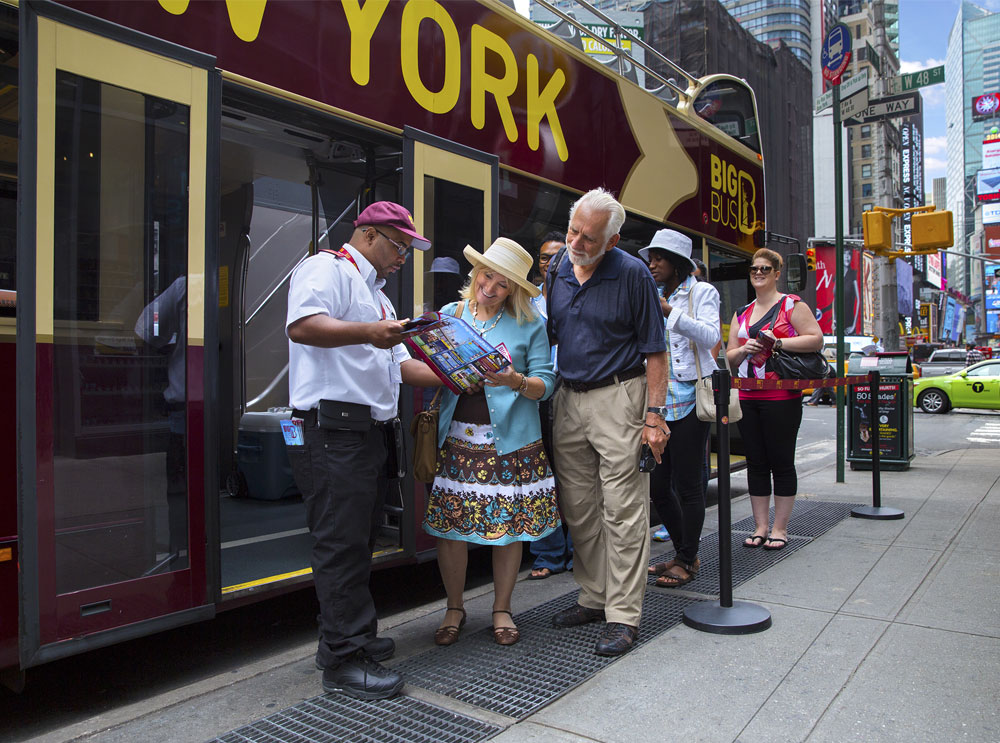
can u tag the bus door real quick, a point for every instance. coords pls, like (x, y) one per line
(453, 193)
(114, 253)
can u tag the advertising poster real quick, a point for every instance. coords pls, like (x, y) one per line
(868, 294)
(934, 270)
(949, 320)
(904, 287)
(889, 417)
(826, 268)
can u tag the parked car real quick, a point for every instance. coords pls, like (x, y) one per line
(942, 361)
(977, 386)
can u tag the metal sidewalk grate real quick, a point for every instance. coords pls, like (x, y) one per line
(547, 662)
(332, 718)
(809, 518)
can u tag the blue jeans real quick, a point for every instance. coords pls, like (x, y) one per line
(554, 552)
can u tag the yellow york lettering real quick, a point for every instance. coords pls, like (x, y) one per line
(482, 83)
(444, 100)
(244, 15)
(362, 22)
(544, 105)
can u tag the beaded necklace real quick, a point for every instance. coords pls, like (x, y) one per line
(484, 330)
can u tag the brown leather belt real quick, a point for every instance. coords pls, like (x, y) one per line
(606, 381)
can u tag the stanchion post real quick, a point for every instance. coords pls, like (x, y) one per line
(875, 510)
(725, 617)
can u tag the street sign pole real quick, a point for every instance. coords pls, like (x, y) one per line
(838, 302)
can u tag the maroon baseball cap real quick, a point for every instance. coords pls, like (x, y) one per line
(391, 214)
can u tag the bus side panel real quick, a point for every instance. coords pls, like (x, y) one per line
(8, 507)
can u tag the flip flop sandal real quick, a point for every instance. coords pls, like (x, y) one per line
(775, 540)
(672, 580)
(661, 568)
(542, 573)
(505, 635)
(448, 635)
(757, 540)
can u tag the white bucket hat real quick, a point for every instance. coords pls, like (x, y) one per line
(507, 257)
(670, 241)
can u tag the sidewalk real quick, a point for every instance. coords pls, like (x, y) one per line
(882, 631)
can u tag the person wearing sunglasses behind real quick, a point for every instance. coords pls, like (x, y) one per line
(771, 418)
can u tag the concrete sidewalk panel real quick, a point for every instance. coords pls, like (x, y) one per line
(961, 595)
(687, 685)
(816, 576)
(531, 732)
(918, 684)
(806, 692)
(891, 582)
(936, 523)
(980, 532)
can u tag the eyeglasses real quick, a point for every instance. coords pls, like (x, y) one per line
(761, 269)
(401, 248)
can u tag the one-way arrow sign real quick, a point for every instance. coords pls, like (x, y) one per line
(887, 108)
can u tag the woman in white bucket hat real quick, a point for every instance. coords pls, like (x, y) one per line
(494, 484)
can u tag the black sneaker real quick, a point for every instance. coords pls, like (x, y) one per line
(362, 678)
(381, 648)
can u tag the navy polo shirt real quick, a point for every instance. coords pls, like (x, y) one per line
(610, 323)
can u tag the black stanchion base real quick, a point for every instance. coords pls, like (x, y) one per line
(871, 512)
(739, 619)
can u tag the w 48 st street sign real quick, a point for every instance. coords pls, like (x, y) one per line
(887, 108)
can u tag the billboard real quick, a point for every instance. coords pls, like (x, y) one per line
(912, 177)
(988, 184)
(867, 285)
(826, 271)
(985, 106)
(934, 270)
(991, 151)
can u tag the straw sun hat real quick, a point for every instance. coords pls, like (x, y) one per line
(506, 257)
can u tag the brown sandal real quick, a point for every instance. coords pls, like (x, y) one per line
(662, 568)
(448, 635)
(505, 635)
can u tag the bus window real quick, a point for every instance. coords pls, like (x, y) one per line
(728, 105)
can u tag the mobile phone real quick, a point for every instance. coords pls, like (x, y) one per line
(417, 324)
(646, 460)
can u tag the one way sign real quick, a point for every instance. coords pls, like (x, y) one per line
(887, 108)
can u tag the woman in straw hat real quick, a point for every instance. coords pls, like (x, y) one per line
(494, 485)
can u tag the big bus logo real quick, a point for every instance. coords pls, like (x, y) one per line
(734, 197)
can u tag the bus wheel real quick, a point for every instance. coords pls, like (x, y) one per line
(236, 484)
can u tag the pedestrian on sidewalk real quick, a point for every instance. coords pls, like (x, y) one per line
(691, 325)
(554, 553)
(345, 363)
(605, 316)
(494, 485)
(972, 354)
(771, 418)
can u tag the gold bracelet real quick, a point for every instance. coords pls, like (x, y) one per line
(523, 387)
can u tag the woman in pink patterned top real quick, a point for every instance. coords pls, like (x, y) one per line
(771, 418)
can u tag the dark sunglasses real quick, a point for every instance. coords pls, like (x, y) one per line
(761, 269)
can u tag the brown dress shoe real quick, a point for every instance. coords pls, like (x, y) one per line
(448, 635)
(616, 639)
(577, 615)
(505, 635)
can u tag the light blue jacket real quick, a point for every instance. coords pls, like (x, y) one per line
(514, 417)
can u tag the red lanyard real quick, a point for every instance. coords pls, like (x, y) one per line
(345, 254)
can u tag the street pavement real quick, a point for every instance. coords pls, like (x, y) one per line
(882, 631)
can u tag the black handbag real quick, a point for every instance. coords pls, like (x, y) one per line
(795, 365)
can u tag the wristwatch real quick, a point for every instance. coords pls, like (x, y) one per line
(662, 412)
(777, 345)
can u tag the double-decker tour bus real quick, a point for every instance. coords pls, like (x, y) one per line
(164, 165)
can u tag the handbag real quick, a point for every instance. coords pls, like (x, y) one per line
(799, 365)
(704, 395)
(424, 429)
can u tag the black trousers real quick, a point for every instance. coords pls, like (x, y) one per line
(341, 475)
(769, 429)
(676, 485)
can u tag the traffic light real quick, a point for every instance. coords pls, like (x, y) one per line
(877, 228)
(810, 259)
(930, 230)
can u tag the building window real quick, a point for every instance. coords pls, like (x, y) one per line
(866, 207)
(866, 131)
(866, 170)
(857, 31)
(866, 189)
(866, 150)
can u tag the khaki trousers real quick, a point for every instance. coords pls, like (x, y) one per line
(604, 498)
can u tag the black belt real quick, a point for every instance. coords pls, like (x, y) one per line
(309, 419)
(606, 381)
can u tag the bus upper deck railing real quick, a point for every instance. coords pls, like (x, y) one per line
(621, 54)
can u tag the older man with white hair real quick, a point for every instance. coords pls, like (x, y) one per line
(605, 315)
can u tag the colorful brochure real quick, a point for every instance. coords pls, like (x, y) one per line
(454, 350)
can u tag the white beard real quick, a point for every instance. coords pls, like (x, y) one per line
(583, 260)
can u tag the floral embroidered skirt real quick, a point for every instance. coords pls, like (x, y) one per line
(483, 497)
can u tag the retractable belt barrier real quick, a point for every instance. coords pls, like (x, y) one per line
(741, 383)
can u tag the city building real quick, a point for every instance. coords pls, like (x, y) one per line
(972, 69)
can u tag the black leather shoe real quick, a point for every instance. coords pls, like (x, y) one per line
(362, 678)
(577, 615)
(381, 648)
(616, 639)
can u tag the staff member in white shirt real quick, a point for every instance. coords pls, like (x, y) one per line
(345, 364)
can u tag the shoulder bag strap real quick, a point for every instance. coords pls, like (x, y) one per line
(694, 347)
(550, 274)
